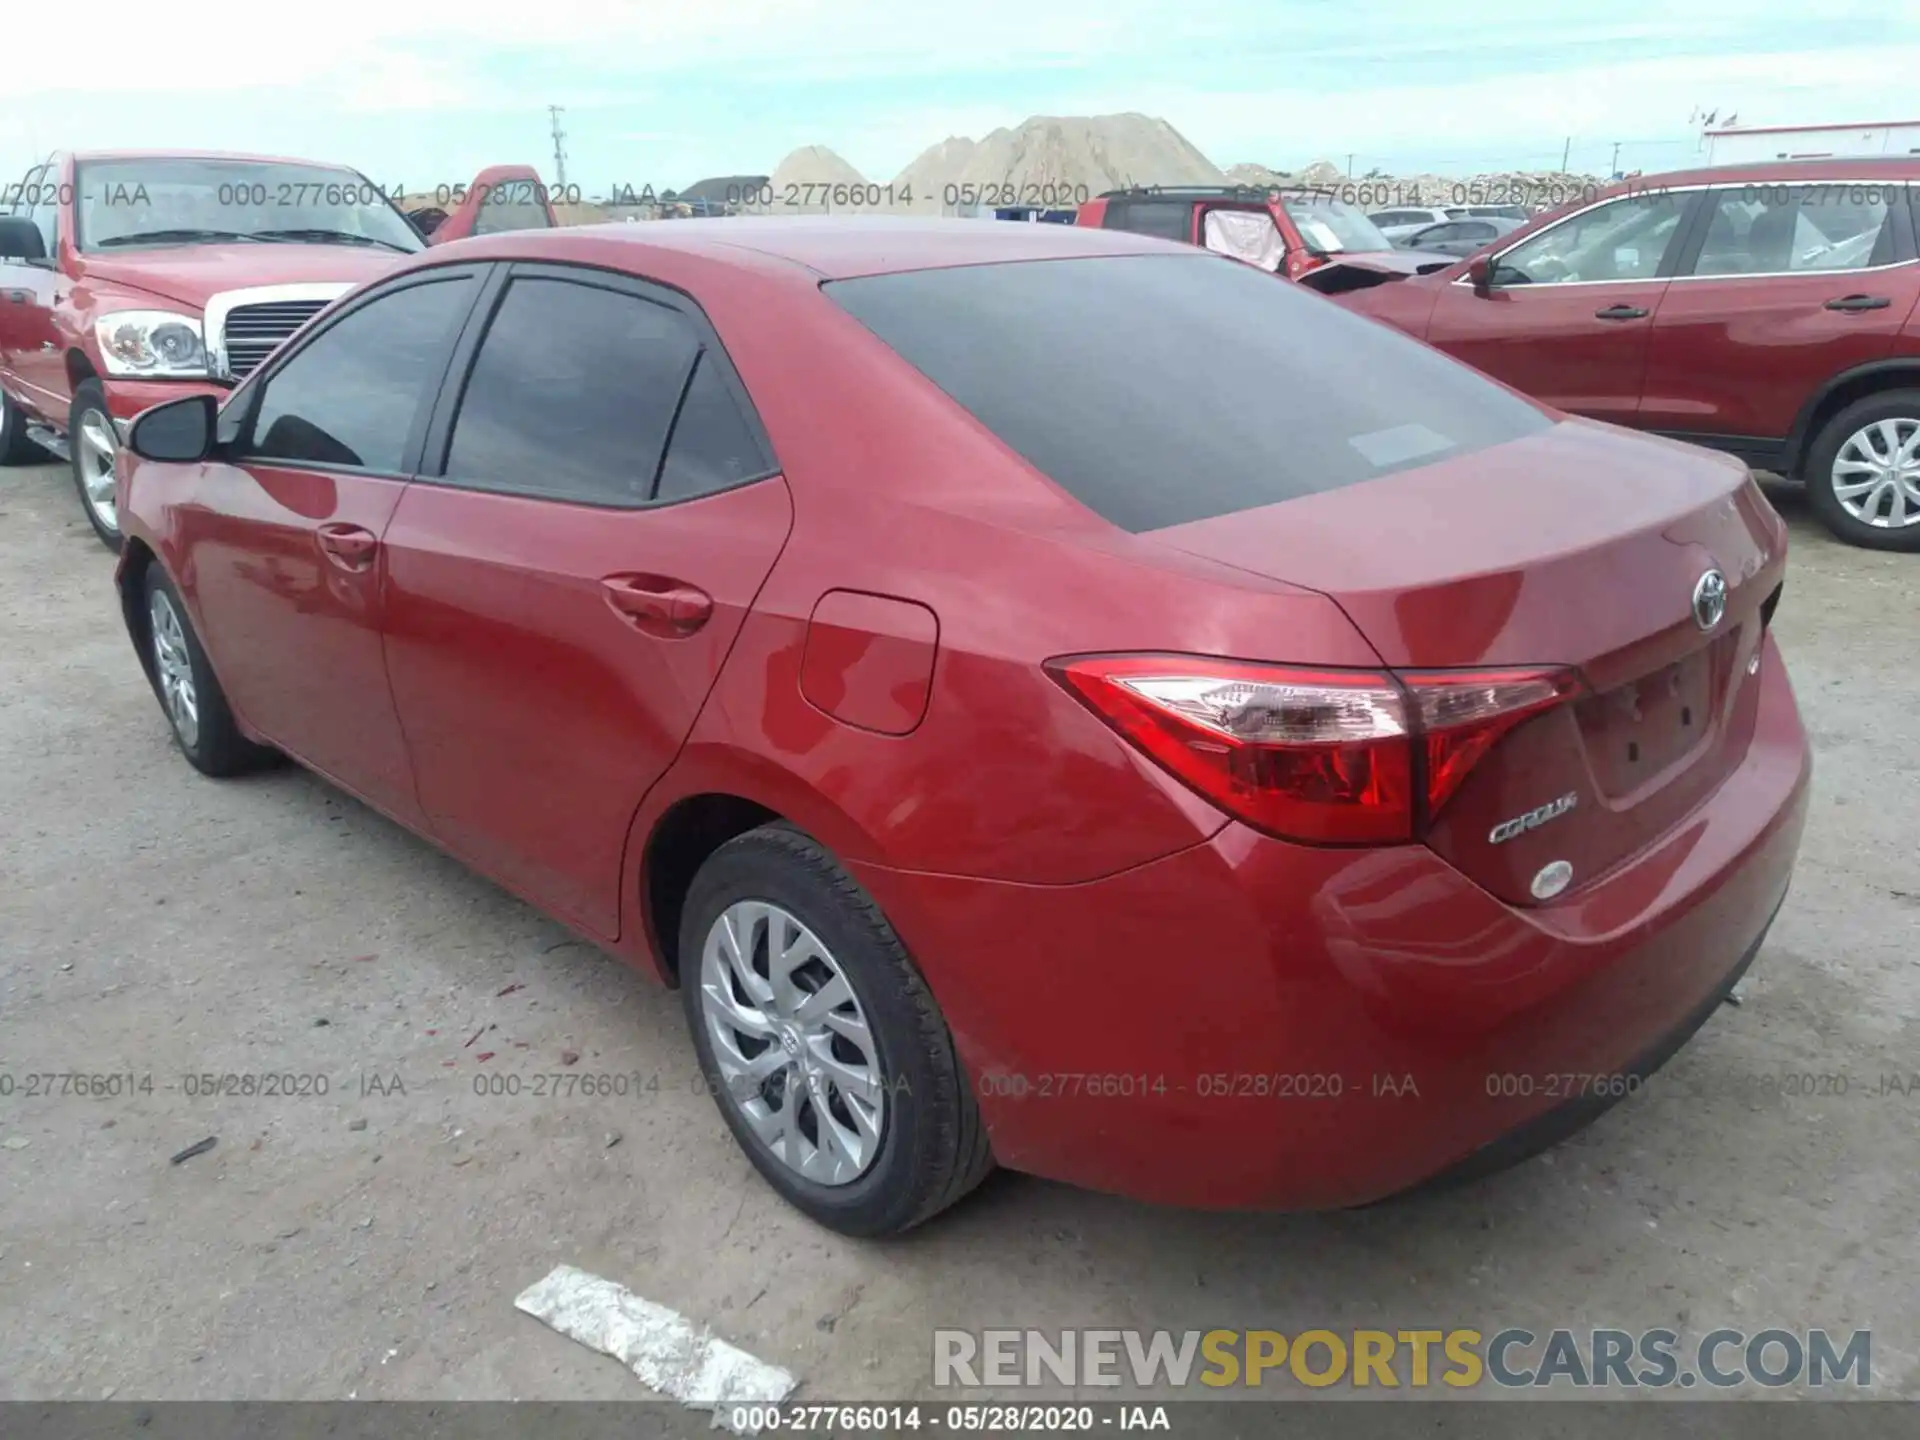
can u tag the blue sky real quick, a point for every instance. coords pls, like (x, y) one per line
(420, 92)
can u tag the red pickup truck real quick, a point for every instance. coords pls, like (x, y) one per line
(132, 277)
(1306, 234)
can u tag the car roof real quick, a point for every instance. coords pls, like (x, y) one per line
(830, 247)
(1839, 167)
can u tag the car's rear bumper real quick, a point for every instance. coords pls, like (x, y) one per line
(1254, 1023)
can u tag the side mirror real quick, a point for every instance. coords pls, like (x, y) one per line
(178, 432)
(20, 239)
(1480, 274)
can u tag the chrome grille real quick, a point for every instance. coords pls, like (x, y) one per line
(252, 331)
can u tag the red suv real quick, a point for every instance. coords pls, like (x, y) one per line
(1766, 310)
(1288, 230)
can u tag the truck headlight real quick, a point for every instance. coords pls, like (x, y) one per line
(160, 343)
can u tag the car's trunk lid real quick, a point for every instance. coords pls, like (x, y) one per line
(1581, 547)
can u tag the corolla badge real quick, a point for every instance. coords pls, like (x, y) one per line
(1709, 599)
(1533, 819)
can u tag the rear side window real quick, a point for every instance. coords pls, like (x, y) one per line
(351, 396)
(1251, 390)
(713, 446)
(578, 392)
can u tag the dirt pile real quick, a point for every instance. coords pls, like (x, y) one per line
(813, 181)
(932, 170)
(1055, 160)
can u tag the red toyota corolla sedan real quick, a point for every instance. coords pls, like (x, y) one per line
(1047, 696)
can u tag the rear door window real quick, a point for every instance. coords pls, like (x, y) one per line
(1251, 391)
(1781, 229)
(593, 394)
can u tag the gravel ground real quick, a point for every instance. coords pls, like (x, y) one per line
(369, 1241)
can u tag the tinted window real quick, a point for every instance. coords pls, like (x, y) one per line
(1252, 391)
(1623, 239)
(572, 394)
(1169, 219)
(1774, 229)
(712, 446)
(351, 397)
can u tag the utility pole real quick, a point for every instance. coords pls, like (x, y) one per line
(554, 112)
(1616, 159)
(1566, 151)
(1349, 165)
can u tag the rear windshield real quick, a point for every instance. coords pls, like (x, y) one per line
(1158, 389)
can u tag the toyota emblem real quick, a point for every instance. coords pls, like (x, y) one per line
(1709, 599)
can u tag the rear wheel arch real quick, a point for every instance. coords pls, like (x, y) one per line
(682, 839)
(1844, 389)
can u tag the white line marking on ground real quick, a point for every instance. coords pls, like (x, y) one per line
(665, 1349)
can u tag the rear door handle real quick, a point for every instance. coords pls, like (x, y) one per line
(1620, 312)
(1859, 302)
(348, 546)
(658, 604)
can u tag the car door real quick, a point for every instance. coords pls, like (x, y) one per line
(1783, 288)
(31, 360)
(12, 304)
(1567, 315)
(564, 584)
(42, 362)
(282, 552)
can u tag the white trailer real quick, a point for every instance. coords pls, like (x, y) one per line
(1811, 142)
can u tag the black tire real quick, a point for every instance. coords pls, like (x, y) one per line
(933, 1147)
(215, 745)
(90, 400)
(15, 447)
(1818, 471)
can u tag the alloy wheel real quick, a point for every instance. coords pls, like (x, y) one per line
(797, 1060)
(1876, 474)
(97, 447)
(173, 665)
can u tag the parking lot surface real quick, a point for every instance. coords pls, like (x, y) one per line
(369, 1240)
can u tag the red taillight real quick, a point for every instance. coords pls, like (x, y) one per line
(1345, 757)
(1461, 713)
